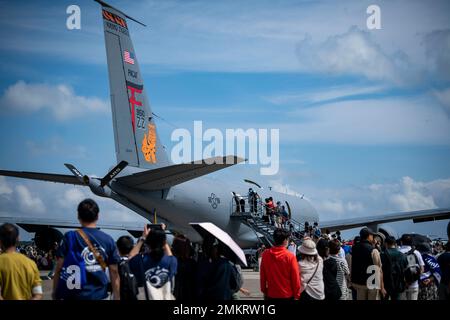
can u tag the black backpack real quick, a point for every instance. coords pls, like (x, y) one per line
(393, 273)
(412, 271)
(128, 283)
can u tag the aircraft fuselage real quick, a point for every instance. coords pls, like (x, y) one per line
(206, 199)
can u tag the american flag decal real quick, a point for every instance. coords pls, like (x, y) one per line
(128, 57)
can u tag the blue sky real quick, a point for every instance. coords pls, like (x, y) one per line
(364, 115)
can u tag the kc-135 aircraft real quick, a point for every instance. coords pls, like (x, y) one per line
(145, 180)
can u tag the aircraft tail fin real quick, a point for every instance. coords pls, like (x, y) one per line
(135, 134)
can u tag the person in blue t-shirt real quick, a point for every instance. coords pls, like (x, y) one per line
(96, 284)
(155, 268)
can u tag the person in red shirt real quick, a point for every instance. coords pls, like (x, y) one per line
(279, 272)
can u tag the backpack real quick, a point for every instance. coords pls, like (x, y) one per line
(72, 277)
(393, 274)
(128, 282)
(412, 271)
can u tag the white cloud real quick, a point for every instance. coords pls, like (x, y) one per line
(416, 120)
(406, 194)
(324, 95)
(330, 206)
(5, 189)
(412, 196)
(71, 197)
(354, 53)
(339, 207)
(355, 206)
(60, 100)
(229, 36)
(27, 202)
(398, 120)
(278, 186)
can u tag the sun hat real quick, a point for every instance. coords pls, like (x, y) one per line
(308, 247)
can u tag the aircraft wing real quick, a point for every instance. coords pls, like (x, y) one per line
(165, 177)
(416, 216)
(36, 224)
(61, 178)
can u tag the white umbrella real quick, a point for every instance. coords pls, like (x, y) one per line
(208, 228)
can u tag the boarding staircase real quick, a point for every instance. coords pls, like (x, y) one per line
(262, 227)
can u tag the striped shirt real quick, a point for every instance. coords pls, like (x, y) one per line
(342, 272)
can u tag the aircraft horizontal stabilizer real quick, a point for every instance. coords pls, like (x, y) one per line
(166, 177)
(60, 178)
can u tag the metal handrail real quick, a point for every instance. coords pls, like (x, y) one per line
(235, 208)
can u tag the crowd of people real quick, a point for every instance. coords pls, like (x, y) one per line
(90, 265)
(370, 267)
(43, 259)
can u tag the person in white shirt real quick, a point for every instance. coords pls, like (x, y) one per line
(311, 272)
(412, 291)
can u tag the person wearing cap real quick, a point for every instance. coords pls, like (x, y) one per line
(279, 272)
(364, 258)
(311, 266)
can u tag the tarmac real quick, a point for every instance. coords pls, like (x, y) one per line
(251, 283)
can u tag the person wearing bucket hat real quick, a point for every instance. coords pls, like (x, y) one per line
(311, 267)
